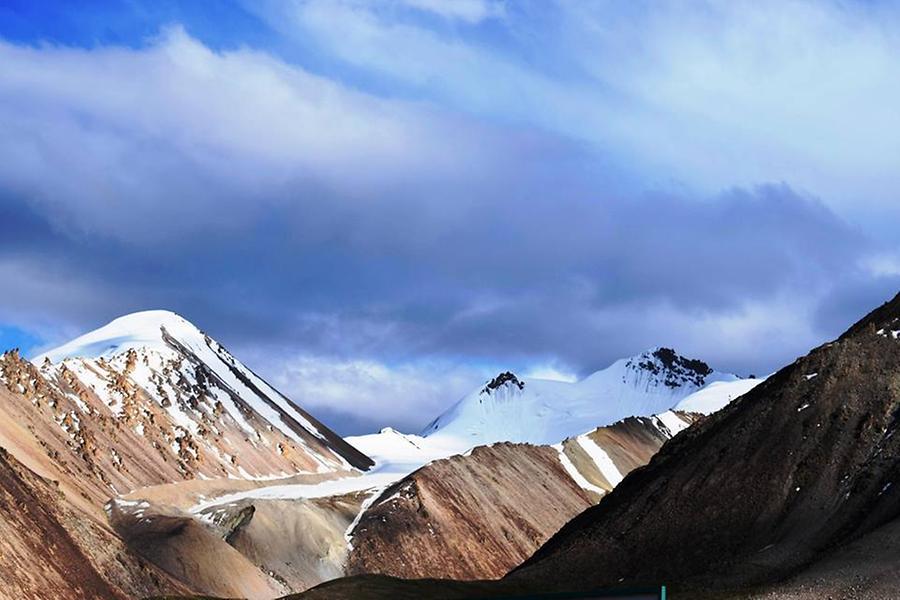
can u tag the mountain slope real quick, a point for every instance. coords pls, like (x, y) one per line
(149, 399)
(150, 407)
(803, 463)
(51, 550)
(545, 412)
(478, 515)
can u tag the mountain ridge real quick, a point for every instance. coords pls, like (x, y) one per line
(539, 411)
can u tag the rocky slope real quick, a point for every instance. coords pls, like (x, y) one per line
(477, 516)
(467, 517)
(150, 407)
(48, 549)
(802, 465)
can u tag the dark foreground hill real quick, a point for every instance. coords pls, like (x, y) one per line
(801, 465)
(792, 489)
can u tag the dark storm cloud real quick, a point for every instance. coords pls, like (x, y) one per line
(522, 278)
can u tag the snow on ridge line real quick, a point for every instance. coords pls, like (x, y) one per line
(715, 396)
(135, 330)
(575, 474)
(603, 461)
(277, 397)
(541, 411)
(672, 423)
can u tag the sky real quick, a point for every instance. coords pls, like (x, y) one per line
(377, 205)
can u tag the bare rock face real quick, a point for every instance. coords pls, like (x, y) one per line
(804, 463)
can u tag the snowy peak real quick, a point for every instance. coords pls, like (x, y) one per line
(151, 329)
(506, 380)
(543, 412)
(666, 367)
(154, 372)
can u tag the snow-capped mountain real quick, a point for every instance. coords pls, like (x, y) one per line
(544, 412)
(149, 399)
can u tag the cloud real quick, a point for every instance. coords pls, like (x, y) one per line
(378, 251)
(470, 11)
(176, 118)
(362, 396)
(708, 94)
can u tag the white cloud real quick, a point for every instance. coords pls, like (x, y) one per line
(551, 373)
(471, 11)
(711, 95)
(131, 142)
(406, 396)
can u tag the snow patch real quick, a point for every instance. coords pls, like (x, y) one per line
(601, 459)
(670, 423)
(576, 476)
(716, 396)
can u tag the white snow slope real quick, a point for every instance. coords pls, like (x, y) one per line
(716, 395)
(544, 412)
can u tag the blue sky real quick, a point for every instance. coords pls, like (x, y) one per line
(377, 204)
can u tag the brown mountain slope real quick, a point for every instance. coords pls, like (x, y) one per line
(467, 517)
(479, 515)
(111, 451)
(48, 550)
(162, 405)
(804, 463)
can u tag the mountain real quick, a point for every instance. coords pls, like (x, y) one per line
(196, 475)
(544, 412)
(133, 423)
(799, 472)
(789, 491)
(435, 506)
(154, 373)
(477, 515)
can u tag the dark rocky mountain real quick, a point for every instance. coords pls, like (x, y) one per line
(800, 466)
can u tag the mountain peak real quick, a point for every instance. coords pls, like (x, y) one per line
(142, 329)
(672, 369)
(507, 377)
(157, 363)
